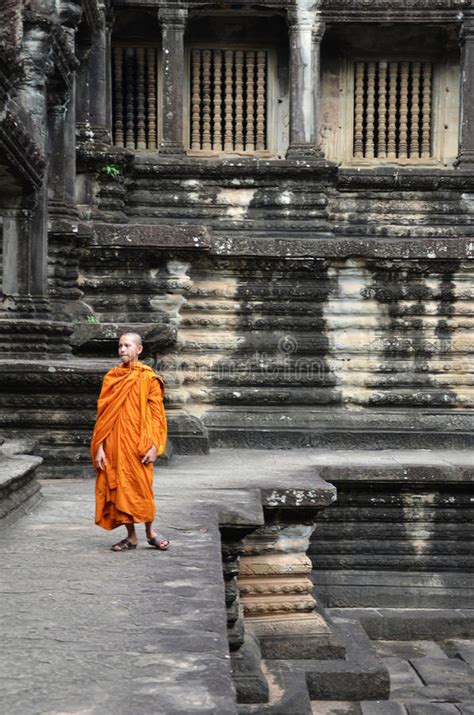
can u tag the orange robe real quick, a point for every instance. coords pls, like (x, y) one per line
(130, 419)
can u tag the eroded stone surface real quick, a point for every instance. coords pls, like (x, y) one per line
(140, 632)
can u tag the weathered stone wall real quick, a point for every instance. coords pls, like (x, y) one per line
(328, 303)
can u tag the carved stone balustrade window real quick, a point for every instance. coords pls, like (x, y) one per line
(230, 100)
(387, 110)
(135, 73)
(393, 111)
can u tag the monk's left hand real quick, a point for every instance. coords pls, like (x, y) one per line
(150, 456)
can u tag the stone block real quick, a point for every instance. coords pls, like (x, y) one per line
(432, 709)
(387, 589)
(408, 649)
(19, 488)
(401, 673)
(466, 708)
(382, 707)
(335, 707)
(407, 624)
(465, 648)
(435, 671)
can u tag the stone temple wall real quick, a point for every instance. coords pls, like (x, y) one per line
(288, 301)
(328, 307)
(301, 296)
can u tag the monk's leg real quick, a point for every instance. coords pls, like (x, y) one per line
(131, 538)
(131, 533)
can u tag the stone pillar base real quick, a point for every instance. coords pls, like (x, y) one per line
(277, 593)
(301, 636)
(60, 211)
(172, 148)
(305, 151)
(465, 159)
(250, 682)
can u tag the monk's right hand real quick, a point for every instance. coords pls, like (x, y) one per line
(100, 459)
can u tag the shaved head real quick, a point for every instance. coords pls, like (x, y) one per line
(133, 336)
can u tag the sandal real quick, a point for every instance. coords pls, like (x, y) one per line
(124, 545)
(159, 542)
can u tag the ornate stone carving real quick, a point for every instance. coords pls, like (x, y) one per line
(173, 22)
(21, 152)
(396, 4)
(93, 14)
(275, 588)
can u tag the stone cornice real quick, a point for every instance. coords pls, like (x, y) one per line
(394, 10)
(172, 16)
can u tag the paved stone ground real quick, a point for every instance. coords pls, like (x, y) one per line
(427, 678)
(85, 631)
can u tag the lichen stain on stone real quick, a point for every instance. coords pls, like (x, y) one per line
(237, 202)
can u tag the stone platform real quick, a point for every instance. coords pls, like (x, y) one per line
(87, 630)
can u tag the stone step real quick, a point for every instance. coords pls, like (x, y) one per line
(361, 674)
(165, 623)
(20, 491)
(295, 683)
(387, 589)
(411, 623)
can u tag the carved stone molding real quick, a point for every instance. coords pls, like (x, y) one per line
(276, 589)
(93, 14)
(399, 10)
(173, 17)
(396, 4)
(64, 59)
(22, 154)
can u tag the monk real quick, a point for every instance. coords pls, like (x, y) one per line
(129, 434)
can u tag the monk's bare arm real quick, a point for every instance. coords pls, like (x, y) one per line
(100, 460)
(158, 416)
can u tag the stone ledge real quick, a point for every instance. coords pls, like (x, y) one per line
(387, 589)
(317, 247)
(156, 236)
(103, 337)
(361, 675)
(19, 488)
(410, 473)
(411, 623)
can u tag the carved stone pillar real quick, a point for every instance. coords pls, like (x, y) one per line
(173, 22)
(26, 238)
(306, 33)
(98, 85)
(93, 117)
(466, 149)
(62, 155)
(21, 277)
(276, 593)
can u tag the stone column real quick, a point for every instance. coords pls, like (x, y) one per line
(276, 590)
(173, 22)
(28, 239)
(17, 253)
(98, 89)
(93, 116)
(466, 148)
(62, 155)
(306, 33)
